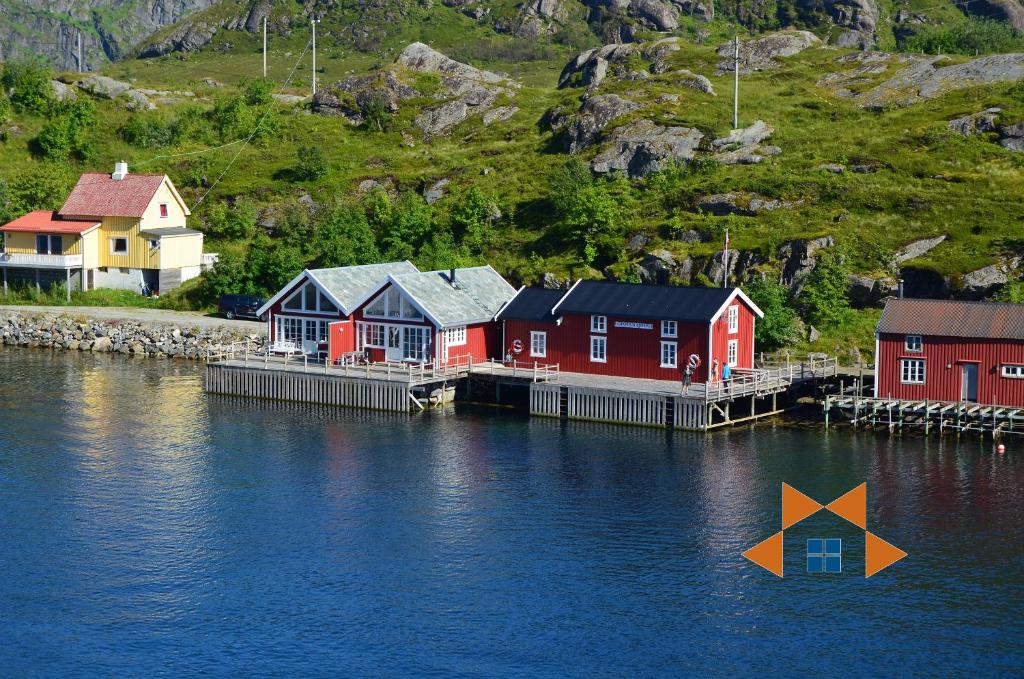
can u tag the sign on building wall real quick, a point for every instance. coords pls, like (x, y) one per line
(633, 325)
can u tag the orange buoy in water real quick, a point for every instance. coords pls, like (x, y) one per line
(1001, 448)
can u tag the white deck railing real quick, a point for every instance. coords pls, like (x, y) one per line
(40, 261)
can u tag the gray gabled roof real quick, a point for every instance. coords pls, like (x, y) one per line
(171, 231)
(346, 286)
(476, 295)
(351, 285)
(952, 318)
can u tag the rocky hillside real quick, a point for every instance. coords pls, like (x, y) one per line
(464, 132)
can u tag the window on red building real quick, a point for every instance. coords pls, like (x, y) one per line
(669, 355)
(598, 324)
(913, 343)
(912, 371)
(599, 349)
(734, 319)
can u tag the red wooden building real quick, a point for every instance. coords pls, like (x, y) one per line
(302, 311)
(947, 350)
(436, 317)
(631, 330)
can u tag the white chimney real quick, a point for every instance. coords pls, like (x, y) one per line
(120, 171)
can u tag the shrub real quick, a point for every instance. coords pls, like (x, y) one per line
(237, 221)
(145, 131)
(29, 83)
(589, 213)
(778, 327)
(343, 238)
(312, 163)
(5, 109)
(43, 186)
(376, 112)
(66, 131)
(471, 219)
(975, 35)
(824, 293)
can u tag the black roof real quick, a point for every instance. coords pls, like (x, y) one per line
(532, 304)
(633, 300)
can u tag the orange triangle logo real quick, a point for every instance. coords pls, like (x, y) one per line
(852, 506)
(767, 554)
(878, 554)
(796, 506)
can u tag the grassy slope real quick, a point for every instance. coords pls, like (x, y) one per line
(934, 182)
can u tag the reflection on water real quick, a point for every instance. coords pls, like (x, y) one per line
(145, 525)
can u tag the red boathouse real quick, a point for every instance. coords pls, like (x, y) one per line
(947, 350)
(631, 330)
(435, 317)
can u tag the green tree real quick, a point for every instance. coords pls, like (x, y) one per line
(1011, 292)
(343, 238)
(233, 222)
(402, 225)
(28, 81)
(824, 294)
(312, 163)
(589, 212)
(67, 131)
(5, 109)
(778, 327)
(43, 186)
(257, 91)
(230, 275)
(272, 264)
(471, 219)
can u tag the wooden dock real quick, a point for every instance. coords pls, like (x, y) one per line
(396, 387)
(941, 417)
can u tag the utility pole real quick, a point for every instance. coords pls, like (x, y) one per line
(264, 48)
(725, 261)
(736, 84)
(314, 23)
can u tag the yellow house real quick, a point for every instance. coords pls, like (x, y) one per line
(116, 230)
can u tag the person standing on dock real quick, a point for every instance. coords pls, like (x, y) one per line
(713, 376)
(687, 377)
(726, 374)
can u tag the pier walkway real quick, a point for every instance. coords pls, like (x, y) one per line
(927, 416)
(750, 394)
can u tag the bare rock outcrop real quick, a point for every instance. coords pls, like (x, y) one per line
(917, 248)
(742, 204)
(595, 114)
(1010, 11)
(643, 147)
(925, 79)
(761, 54)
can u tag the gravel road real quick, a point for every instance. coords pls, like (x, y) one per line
(183, 318)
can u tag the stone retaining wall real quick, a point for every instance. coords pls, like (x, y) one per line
(114, 336)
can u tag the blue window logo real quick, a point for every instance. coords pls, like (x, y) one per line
(824, 555)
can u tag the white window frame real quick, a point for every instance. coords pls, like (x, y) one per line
(319, 295)
(733, 316)
(670, 328)
(113, 250)
(599, 341)
(538, 343)
(598, 324)
(165, 211)
(1013, 371)
(368, 336)
(290, 329)
(732, 352)
(405, 312)
(913, 371)
(915, 347)
(674, 362)
(455, 337)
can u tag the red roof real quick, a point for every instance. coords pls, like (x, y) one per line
(952, 318)
(44, 221)
(98, 195)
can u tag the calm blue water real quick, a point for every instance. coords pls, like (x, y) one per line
(146, 529)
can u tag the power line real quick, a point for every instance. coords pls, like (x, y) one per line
(254, 131)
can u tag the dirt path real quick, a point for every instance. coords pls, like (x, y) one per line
(183, 318)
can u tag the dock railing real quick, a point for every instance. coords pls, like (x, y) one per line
(532, 370)
(248, 354)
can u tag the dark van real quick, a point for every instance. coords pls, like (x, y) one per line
(241, 306)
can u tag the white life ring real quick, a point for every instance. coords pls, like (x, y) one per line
(517, 346)
(694, 362)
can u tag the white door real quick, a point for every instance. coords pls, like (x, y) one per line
(311, 338)
(393, 349)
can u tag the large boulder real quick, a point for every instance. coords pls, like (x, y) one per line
(865, 291)
(352, 96)
(659, 14)
(917, 248)
(745, 136)
(742, 204)
(642, 147)
(985, 281)
(761, 54)
(187, 37)
(798, 259)
(975, 123)
(923, 79)
(1012, 136)
(423, 59)
(595, 114)
(859, 18)
(103, 87)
